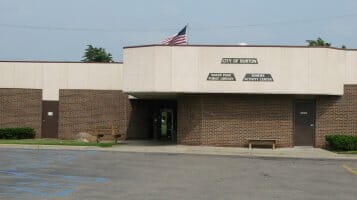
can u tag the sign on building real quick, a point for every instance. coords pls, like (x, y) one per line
(221, 77)
(239, 61)
(258, 77)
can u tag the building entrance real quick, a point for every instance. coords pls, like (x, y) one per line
(152, 119)
(49, 119)
(304, 120)
(166, 124)
(164, 120)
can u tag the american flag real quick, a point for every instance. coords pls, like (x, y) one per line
(179, 39)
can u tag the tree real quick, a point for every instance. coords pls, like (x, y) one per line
(317, 43)
(94, 54)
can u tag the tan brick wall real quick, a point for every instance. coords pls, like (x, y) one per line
(21, 108)
(336, 115)
(227, 120)
(83, 110)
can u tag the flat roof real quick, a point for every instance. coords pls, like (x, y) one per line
(233, 45)
(42, 61)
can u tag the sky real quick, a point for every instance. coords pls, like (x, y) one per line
(59, 30)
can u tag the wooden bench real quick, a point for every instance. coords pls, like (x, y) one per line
(114, 130)
(261, 141)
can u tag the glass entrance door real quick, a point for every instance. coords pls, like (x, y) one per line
(166, 124)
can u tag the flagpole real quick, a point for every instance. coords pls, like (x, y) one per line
(187, 32)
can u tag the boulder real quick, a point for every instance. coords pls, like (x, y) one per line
(85, 137)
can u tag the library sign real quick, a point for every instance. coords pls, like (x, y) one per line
(221, 77)
(239, 61)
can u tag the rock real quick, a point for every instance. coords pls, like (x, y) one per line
(85, 137)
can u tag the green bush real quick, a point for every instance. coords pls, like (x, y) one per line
(342, 142)
(17, 133)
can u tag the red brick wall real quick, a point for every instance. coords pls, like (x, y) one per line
(139, 122)
(21, 108)
(336, 115)
(227, 120)
(207, 119)
(83, 110)
(189, 120)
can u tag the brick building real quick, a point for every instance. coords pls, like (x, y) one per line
(197, 94)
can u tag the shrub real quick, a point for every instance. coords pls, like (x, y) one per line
(17, 133)
(342, 142)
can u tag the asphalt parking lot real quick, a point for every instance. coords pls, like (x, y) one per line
(63, 174)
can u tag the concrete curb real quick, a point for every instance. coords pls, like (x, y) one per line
(181, 149)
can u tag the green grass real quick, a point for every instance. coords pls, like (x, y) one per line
(56, 142)
(346, 152)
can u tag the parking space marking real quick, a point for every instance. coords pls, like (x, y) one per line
(349, 169)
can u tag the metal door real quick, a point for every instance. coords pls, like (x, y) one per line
(304, 120)
(49, 119)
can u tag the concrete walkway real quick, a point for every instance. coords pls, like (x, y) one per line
(160, 147)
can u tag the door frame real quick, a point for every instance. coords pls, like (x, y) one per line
(172, 121)
(43, 134)
(313, 100)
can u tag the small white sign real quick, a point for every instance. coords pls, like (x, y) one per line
(49, 113)
(304, 113)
